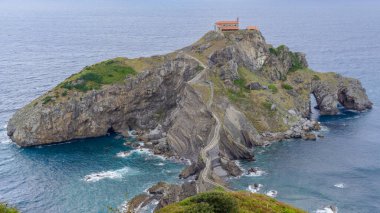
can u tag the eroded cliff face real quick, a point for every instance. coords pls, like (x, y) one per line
(140, 102)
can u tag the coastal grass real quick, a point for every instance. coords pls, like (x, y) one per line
(286, 86)
(93, 77)
(219, 201)
(273, 88)
(5, 208)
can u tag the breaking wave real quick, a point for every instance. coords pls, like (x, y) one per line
(272, 193)
(112, 174)
(255, 188)
(340, 185)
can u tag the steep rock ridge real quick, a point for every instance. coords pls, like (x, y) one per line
(191, 125)
(137, 103)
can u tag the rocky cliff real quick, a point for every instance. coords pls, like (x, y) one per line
(210, 102)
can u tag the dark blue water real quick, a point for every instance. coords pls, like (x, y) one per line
(42, 42)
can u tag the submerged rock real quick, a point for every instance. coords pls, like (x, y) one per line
(309, 136)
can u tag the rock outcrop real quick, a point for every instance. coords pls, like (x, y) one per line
(347, 92)
(162, 193)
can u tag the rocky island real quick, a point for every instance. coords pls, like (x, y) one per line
(210, 102)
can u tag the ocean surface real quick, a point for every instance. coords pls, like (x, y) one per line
(42, 42)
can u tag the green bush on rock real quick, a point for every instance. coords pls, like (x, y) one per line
(287, 86)
(273, 88)
(231, 202)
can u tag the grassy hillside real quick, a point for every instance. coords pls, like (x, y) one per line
(225, 202)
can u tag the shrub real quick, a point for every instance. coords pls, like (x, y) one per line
(240, 83)
(220, 202)
(47, 99)
(296, 63)
(273, 51)
(273, 88)
(92, 77)
(67, 85)
(200, 208)
(64, 93)
(276, 51)
(316, 78)
(287, 86)
(199, 68)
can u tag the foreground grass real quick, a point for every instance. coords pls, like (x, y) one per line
(229, 202)
(4, 208)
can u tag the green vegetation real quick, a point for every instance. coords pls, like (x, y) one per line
(287, 86)
(267, 105)
(64, 93)
(296, 63)
(47, 99)
(235, 96)
(278, 50)
(231, 202)
(316, 78)
(5, 208)
(199, 68)
(273, 88)
(240, 83)
(93, 77)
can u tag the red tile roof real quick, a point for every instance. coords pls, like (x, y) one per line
(252, 28)
(229, 28)
(226, 22)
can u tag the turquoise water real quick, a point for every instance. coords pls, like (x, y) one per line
(340, 169)
(43, 42)
(52, 178)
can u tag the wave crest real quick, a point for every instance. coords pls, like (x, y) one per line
(112, 174)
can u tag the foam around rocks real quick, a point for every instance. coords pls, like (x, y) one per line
(112, 174)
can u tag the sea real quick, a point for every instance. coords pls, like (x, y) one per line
(42, 42)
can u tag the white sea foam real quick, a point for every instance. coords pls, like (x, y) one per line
(328, 209)
(340, 185)
(112, 174)
(324, 129)
(4, 139)
(159, 164)
(148, 152)
(257, 173)
(132, 133)
(123, 154)
(272, 193)
(255, 189)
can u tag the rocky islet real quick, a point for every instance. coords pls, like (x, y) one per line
(258, 93)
